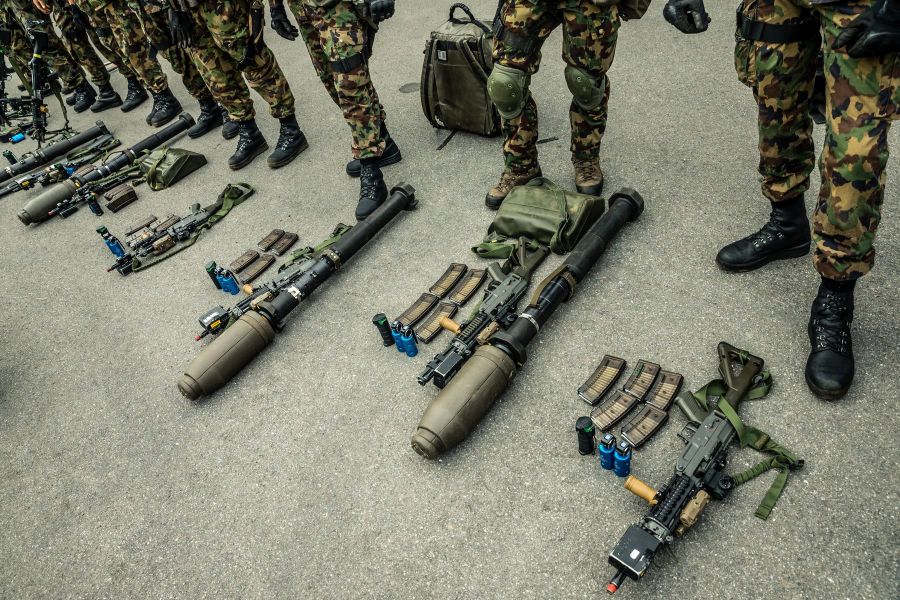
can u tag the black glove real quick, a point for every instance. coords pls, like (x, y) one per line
(688, 16)
(876, 32)
(381, 10)
(180, 28)
(281, 24)
(78, 17)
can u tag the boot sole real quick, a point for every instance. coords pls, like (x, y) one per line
(788, 253)
(829, 395)
(286, 161)
(590, 190)
(385, 161)
(249, 159)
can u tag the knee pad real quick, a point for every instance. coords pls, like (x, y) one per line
(587, 92)
(508, 89)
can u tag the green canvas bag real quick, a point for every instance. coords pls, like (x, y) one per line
(542, 212)
(165, 167)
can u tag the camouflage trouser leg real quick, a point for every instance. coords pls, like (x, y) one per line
(590, 33)
(127, 30)
(863, 97)
(316, 51)
(156, 26)
(19, 53)
(56, 56)
(222, 45)
(107, 46)
(342, 38)
(782, 78)
(78, 44)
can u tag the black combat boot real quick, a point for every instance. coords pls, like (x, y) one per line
(391, 155)
(136, 95)
(291, 142)
(830, 367)
(372, 190)
(251, 144)
(84, 97)
(785, 235)
(166, 106)
(70, 100)
(209, 118)
(107, 98)
(230, 128)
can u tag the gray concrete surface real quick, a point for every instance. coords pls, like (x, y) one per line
(297, 481)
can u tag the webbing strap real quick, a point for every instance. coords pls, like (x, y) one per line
(782, 459)
(760, 31)
(232, 195)
(308, 251)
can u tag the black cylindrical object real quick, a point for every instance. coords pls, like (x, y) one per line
(52, 152)
(585, 428)
(460, 406)
(384, 328)
(232, 350)
(38, 209)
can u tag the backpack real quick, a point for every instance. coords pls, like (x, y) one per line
(454, 75)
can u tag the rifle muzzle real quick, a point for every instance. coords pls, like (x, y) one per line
(226, 355)
(38, 209)
(460, 406)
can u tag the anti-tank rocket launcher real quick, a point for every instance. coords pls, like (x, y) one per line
(52, 152)
(62, 197)
(461, 405)
(496, 311)
(699, 472)
(247, 337)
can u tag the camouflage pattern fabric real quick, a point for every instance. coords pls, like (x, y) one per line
(78, 44)
(221, 43)
(156, 26)
(863, 96)
(19, 50)
(56, 56)
(129, 35)
(590, 33)
(334, 34)
(105, 42)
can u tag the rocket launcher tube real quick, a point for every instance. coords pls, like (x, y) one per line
(52, 152)
(38, 209)
(239, 344)
(460, 406)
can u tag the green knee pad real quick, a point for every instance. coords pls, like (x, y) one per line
(587, 92)
(508, 89)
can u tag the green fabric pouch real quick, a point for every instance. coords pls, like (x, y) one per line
(165, 167)
(542, 212)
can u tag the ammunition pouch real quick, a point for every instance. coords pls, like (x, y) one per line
(543, 212)
(759, 31)
(165, 167)
(508, 89)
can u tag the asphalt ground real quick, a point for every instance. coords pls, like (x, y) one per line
(298, 481)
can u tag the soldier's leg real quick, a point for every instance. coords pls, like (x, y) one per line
(590, 33)
(56, 57)
(782, 76)
(108, 46)
(156, 26)
(525, 24)
(19, 53)
(75, 39)
(310, 36)
(228, 23)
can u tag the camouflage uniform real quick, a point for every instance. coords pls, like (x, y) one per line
(221, 42)
(56, 56)
(132, 41)
(154, 17)
(863, 96)
(589, 43)
(335, 37)
(105, 42)
(78, 43)
(19, 50)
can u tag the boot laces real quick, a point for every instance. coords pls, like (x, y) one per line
(770, 232)
(832, 316)
(286, 138)
(368, 187)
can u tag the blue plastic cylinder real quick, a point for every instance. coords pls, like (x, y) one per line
(607, 448)
(398, 340)
(409, 343)
(623, 459)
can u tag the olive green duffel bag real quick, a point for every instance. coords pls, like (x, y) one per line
(542, 212)
(165, 167)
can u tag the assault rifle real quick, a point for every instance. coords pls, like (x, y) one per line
(496, 311)
(43, 82)
(219, 318)
(154, 240)
(699, 472)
